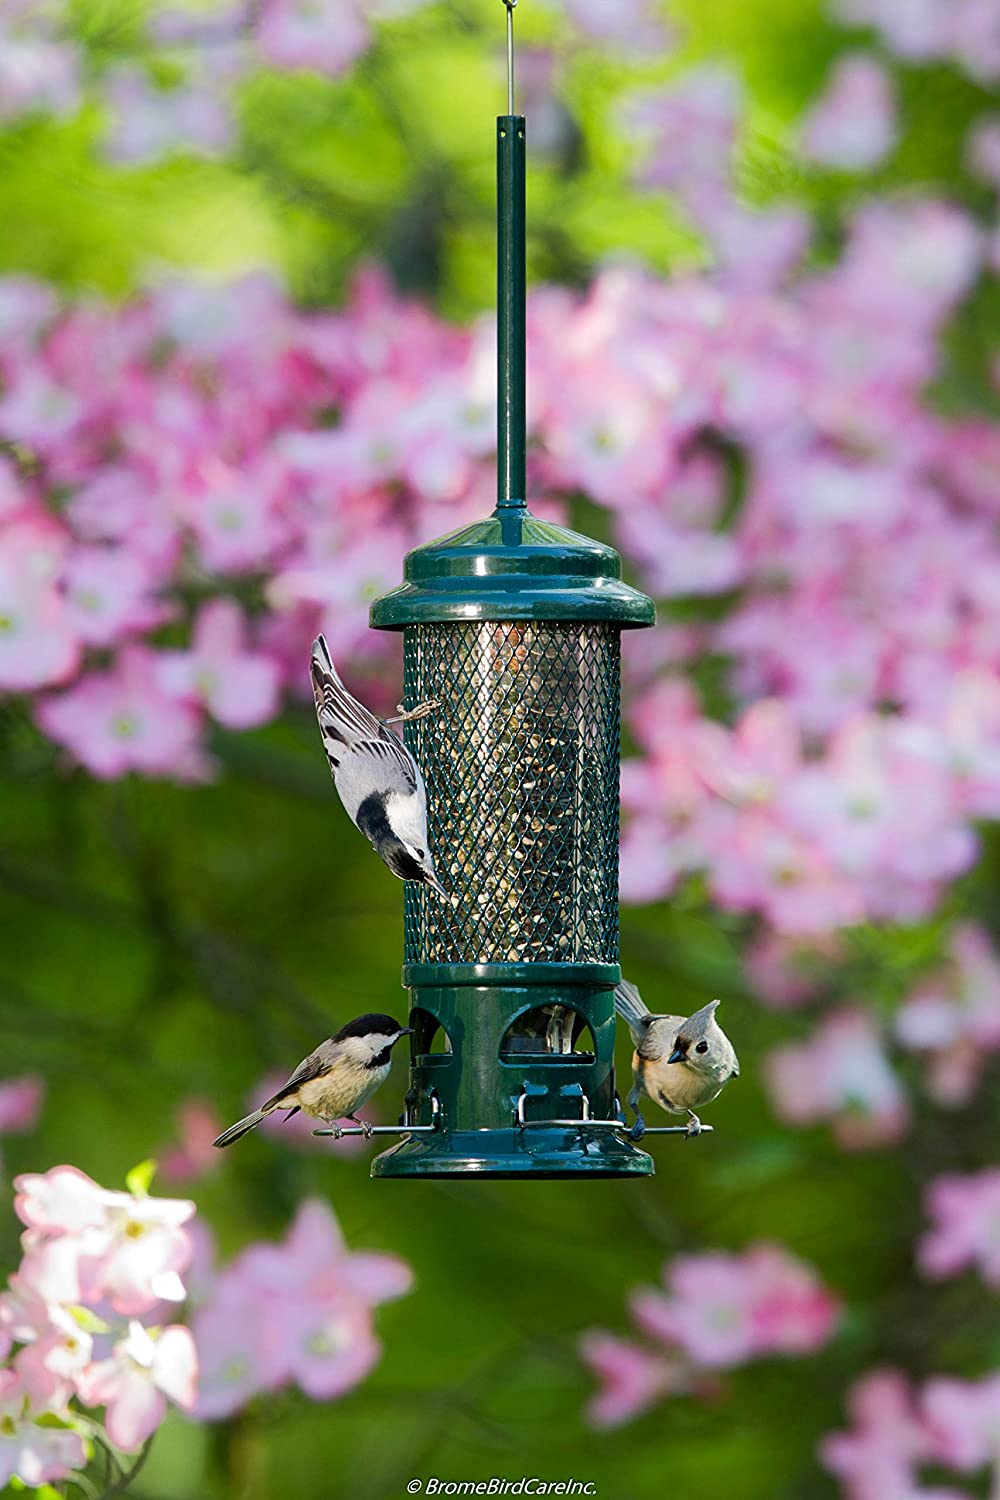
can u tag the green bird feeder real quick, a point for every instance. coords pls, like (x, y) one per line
(514, 625)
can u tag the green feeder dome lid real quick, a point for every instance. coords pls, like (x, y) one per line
(512, 566)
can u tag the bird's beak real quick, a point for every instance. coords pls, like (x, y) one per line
(436, 886)
(678, 1055)
(406, 1031)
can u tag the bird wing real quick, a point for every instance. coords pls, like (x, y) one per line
(310, 1067)
(350, 730)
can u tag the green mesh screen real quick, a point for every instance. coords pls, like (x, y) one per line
(521, 767)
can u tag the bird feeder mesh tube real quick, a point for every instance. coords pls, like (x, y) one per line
(521, 764)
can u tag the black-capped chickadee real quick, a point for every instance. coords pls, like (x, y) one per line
(336, 1080)
(679, 1063)
(376, 777)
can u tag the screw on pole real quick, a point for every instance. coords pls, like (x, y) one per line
(511, 433)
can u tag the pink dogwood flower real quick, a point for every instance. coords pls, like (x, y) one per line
(631, 25)
(58, 1353)
(724, 1309)
(633, 1379)
(235, 1351)
(149, 122)
(38, 75)
(198, 1125)
(840, 1074)
(963, 1421)
(35, 1454)
(965, 1211)
(295, 1312)
(877, 1459)
(136, 1381)
(109, 1245)
(123, 720)
(954, 1016)
(719, 1310)
(38, 646)
(21, 1102)
(852, 126)
(234, 514)
(325, 35)
(240, 687)
(687, 130)
(107, 595)
(785, 973)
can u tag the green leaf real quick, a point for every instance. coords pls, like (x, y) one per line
(139, 1179)
(87, 1320)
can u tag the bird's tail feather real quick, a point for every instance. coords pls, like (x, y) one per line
(343, 720)
(322, 660)
(629, 1004)
(241, 1128)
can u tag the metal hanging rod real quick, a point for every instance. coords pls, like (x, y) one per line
(510, 54)
(511, 353)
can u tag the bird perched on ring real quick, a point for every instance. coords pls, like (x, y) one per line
(334, 1081)
(679, 1063)
(376, 777)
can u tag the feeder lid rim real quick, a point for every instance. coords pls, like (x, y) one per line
(512, 566)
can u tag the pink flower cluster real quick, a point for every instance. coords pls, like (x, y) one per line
(843, 1072)
(817, 809)
(39, 67)
(84, 1321)
(297, 1312)
(852, 126)
(209, 56)
(898, 1431)
(953, 1018)
(718, 1311)
(966, 32)
(873, 827)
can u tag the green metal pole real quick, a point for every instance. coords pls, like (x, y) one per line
(511, 417)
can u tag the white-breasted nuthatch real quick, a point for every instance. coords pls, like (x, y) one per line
(376, 777)
(336, 1080)
(680, 1063)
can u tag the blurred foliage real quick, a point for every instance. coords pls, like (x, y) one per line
(395, 161)
(162, 942)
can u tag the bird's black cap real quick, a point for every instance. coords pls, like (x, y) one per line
(374, 1024)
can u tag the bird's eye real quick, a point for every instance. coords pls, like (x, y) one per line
(419, 853)
(702, 1047)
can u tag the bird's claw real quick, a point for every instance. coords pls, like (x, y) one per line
(694, 1128)
(367, 1129)
(638, 1129)
(407, 715)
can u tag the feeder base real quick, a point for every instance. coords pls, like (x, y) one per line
(512, 1153)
